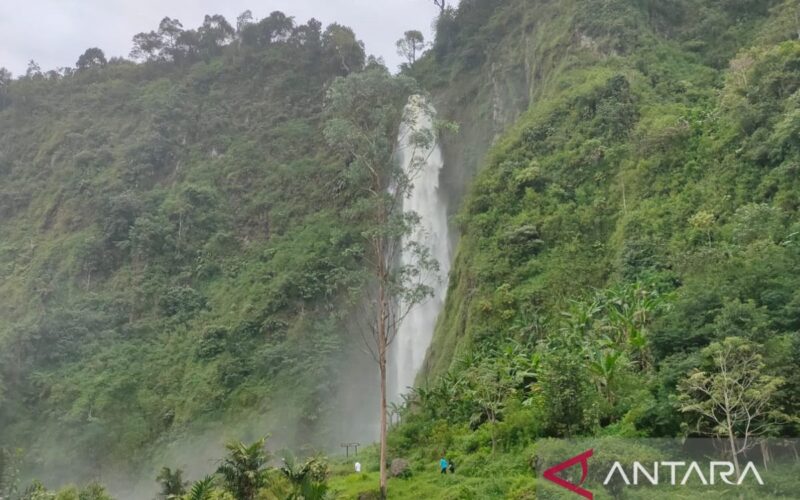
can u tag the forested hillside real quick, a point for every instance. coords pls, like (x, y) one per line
(638, 219)
(177, 261)
(172, 254)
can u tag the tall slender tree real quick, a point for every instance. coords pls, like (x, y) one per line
(365, 111)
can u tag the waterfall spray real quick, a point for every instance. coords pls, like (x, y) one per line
(425, 199)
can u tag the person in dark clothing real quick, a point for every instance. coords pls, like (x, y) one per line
(452, 467)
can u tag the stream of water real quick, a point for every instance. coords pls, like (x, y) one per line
(426, 199)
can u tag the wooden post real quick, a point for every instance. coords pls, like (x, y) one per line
(347, 447)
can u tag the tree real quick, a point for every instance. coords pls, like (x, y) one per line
(202, 489)
(243, 20)
(92, 57)
(605, 365)
(170, 32)
(630, 308)
(187, 46)
(395, 413)
(412, 43)
(309, 35)
(364, 112)
(442, 4)
(568, 397)
(146, 46)
(308, 479)
(33, 70)
(215, 32)
(491, 388)
(791, 390)
(447, 29)
(244, 470)
(9, 472)
(163, 45)
(340, 45)
(275, 27)
(5, 82)
(172, 483)
(733, 398)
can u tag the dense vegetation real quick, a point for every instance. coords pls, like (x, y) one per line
(638, 220)
(172, 252)
(175, 248)
(243, 473)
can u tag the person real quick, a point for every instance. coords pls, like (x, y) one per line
(452, 467)
(358, 467)
(443, 465)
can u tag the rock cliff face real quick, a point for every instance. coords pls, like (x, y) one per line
(524, 80)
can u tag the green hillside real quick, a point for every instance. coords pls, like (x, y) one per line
(172, 254)
(178, 265)
(644, 207)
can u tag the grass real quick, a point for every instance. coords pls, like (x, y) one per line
(426, 482)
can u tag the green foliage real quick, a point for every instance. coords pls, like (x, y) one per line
(734, 398)
(566, 394)
(641, 210)
(10, 461)
(179, 242)
(174, 246)
(202, 489)
(365, 111)
(243, 470)
(411, 45)
(92, 491)
(172, 483)
(92, 57)
(308, 479)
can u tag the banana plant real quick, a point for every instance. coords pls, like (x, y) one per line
(604, 368)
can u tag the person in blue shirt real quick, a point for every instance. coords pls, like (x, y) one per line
(443, 465)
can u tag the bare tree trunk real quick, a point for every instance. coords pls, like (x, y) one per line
(732, 440)
(383, 342)
(728, 422)
(383, 429)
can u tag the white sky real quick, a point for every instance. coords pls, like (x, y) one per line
(55, 32)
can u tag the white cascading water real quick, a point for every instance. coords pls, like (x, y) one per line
(414, 336)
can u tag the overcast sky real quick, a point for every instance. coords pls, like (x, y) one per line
(55, 32)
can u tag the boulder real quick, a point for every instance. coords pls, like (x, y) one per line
(399, 468)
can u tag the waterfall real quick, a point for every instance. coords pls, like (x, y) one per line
(425, 199)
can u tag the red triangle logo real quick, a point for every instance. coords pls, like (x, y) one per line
(583, 459)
